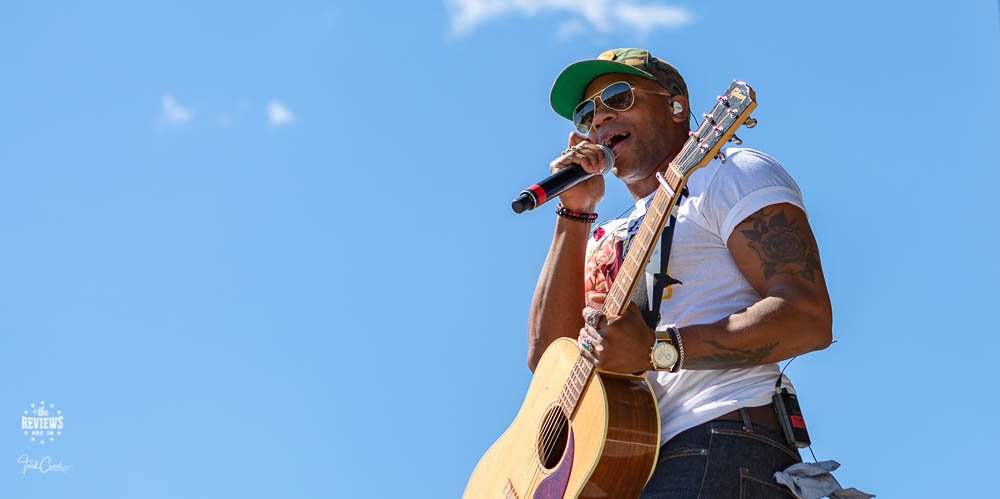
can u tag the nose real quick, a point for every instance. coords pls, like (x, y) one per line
(602, 114)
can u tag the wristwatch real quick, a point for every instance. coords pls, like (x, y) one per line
(663, 355)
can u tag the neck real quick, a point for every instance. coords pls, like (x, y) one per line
(646, 186)
(672, 142)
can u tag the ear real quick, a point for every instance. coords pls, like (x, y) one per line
(679, 102)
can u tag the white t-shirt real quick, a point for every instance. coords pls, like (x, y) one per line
(711, 286)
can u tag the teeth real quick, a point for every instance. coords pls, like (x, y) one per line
(607, 142)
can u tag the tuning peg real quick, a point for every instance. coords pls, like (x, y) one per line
(750, 123)
(722, 99)
(736, 140)
(721, 157)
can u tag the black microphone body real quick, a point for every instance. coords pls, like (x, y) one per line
(556, 184)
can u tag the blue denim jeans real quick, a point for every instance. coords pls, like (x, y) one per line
(721, 459)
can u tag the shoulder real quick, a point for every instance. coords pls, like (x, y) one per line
(747, 181)
(742, 167)
(745, 171)
(750, 166)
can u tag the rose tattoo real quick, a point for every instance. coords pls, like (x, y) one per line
(783, 249)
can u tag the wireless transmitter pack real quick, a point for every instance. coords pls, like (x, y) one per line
(786, 404)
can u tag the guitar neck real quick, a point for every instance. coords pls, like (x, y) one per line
(642, 245)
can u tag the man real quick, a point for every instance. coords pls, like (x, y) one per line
(746, 289)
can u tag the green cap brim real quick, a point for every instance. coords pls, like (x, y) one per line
(568, 89)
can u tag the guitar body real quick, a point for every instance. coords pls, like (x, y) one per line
(607, 449)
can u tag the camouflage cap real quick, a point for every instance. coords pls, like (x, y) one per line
(568, 89)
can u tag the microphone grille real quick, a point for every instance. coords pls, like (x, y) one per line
(609, 159)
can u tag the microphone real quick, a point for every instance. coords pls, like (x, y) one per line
(557, 183)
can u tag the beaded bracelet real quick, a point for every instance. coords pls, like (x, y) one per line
(562, 211)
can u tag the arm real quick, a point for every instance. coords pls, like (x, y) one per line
(776, 252)
(558, 299)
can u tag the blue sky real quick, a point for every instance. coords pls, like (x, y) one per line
(267, 250)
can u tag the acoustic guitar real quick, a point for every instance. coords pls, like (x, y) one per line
(592, 434)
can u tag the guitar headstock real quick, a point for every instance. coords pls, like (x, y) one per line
(732, 110)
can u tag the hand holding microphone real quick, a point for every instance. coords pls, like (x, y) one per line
(582, 163)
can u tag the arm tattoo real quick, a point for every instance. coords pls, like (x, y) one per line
(731, 358)
(783, 248)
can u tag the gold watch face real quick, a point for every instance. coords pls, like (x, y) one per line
(664, 355)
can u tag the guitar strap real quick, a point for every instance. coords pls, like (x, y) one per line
(651, 310)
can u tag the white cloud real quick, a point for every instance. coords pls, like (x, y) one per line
(278, 114)
(602, 15)
(567, 29)
(174, 113)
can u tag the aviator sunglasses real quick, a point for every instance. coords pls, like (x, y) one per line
(617, 97)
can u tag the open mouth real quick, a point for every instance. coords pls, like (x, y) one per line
(614, 141)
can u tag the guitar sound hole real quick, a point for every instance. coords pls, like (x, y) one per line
(552, 437)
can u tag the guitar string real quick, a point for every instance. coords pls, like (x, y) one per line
(562, 423)
(548, 438)
(548, 430)
(554, 425)
(547, 441)
(548, 434)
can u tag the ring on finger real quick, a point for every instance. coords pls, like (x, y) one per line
(586, 344)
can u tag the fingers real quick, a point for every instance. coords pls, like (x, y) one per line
(575, 138)
(591, 344)
(632, 313)
(586, 154)
(593, 161)
(594, 318)
(591, 341)
(590, 157)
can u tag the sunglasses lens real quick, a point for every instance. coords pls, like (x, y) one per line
(583, 116)
(618, 96)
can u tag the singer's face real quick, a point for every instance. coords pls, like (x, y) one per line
(642, 137)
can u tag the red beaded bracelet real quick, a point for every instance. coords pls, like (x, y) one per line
(562, 211)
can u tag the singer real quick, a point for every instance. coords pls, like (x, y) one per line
(743, 290)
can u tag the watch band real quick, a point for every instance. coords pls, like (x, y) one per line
(675, 338)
